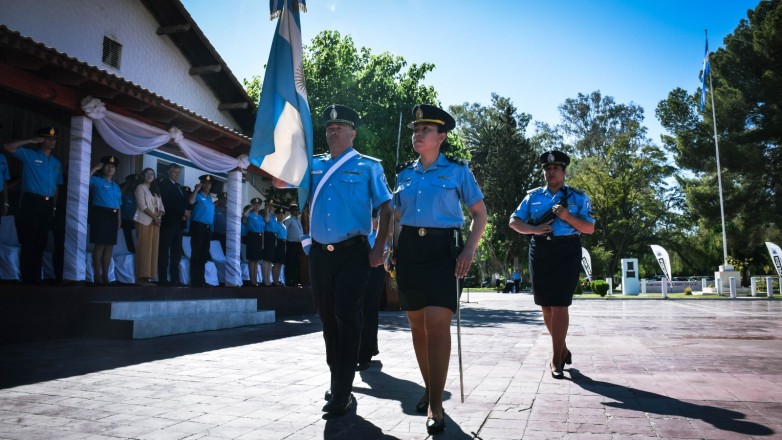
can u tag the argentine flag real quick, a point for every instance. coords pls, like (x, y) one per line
(282, 141)
(705, 74)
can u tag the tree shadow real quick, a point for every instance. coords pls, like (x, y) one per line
(644, 401)
(473, 316)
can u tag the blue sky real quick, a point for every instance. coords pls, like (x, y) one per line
(537, 53)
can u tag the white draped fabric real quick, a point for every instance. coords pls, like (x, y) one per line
(133, 137)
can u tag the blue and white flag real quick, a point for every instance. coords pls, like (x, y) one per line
(282, 141)
(705, 75)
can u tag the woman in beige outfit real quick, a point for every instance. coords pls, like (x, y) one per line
(149, 214)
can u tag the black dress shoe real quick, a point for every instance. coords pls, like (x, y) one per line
(362, 366)
(434, 426)
(338, 405)
(568, 360)
(556, 372)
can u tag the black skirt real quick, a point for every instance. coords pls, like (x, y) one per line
(103, 225)
(254, 246)
(279, 252)
(554, 266)
(269, 246)
(425, 266)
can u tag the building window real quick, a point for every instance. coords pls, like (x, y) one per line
(111, 52)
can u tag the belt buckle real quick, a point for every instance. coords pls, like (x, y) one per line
(46, 198)
(422, 232)
(114, 211)
(548, 237)
(330, 247)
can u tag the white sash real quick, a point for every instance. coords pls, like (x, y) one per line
(328, 174)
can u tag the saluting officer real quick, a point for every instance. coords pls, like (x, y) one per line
(269, 242)
(279, 249)
(201, 222)
(346, 186)
(4, 176)
(555, 248)
(41, 173)
(429, 195)
(105, 217)
(252, 219)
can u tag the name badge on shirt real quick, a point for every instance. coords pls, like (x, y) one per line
(316, 172)
(38, 161)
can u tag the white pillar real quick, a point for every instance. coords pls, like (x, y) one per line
(704, 283)
(643, 286)
(769, 287)
(233, 228)
(75, 260)
(732, 287)
(664, 288)
(753, 286)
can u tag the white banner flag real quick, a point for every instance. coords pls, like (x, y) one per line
(586, 263)
(776, 256)
(661, 255)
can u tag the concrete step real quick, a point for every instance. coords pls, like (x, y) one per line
(151, 319)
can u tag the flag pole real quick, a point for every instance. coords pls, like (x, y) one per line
(719, 171)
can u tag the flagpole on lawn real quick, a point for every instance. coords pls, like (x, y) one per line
(719, 171)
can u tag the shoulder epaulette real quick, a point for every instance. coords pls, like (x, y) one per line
(540, 188)
(403, 165)
(370, 157)
(456, 160)
(576, 190)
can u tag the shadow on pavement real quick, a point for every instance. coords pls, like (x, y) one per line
(472, 316)
(645, 401)
(33, 362)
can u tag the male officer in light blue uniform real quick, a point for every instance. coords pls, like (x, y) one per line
(201, 222)
(340, 257)
(41, 173)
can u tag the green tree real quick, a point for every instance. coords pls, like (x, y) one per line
(624, 174)
(747, 80)
(504, 164)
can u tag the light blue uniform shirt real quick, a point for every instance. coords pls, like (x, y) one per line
(3, 172)
(281, 233)
(255, 223)
(105, 193)
(272, 225)
(203, 209)
(432, 198)
(40, 174)
(343, 208)
(539, 201)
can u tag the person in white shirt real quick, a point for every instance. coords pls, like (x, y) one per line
(293, 247)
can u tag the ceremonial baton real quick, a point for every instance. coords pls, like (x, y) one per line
(390, 267)
(458, 319)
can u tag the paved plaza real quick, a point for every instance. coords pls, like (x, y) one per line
(642, 369)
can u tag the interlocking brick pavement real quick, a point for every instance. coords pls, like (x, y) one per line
(642, 369)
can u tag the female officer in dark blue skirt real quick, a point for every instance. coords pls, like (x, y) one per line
(252, 220)
(105, 216)
(269, 242)
(429, 194)
(202, 220)
(555, 248)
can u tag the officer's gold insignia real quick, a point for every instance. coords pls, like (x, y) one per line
(333, 113)
(422, 232)
(51, 131)
(551, 158)
(419, 114)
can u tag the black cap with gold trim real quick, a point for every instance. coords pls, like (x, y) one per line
(206, 178)
(339, 114)
(424, 113)
(109, 160)
(48, 132)
(554, 157)
(256, 201)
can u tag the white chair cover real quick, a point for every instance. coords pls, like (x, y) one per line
(9, 250)
(124, 261)
(218, 258)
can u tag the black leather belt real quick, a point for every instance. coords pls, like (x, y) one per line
(342, 244)
(38, 196)
(555, 237)
(106, 209)
(422, 232)
(202, 223)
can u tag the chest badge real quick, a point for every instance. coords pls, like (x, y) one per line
(422, 232)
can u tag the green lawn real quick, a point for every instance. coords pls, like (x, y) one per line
(641, 296)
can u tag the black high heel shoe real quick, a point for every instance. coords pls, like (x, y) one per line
(556, 371)
(568, 360)
(434, 426)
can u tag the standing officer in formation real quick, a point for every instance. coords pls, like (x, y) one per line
(269, 242)
(41, 173)
(201, 223)
(294, 230)
(105, 217)
(176, 212)
(4, 177)
(279, 249)
(346, 186)
(555, 248)
(428, 204)
(221, 216)
(252, 220)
